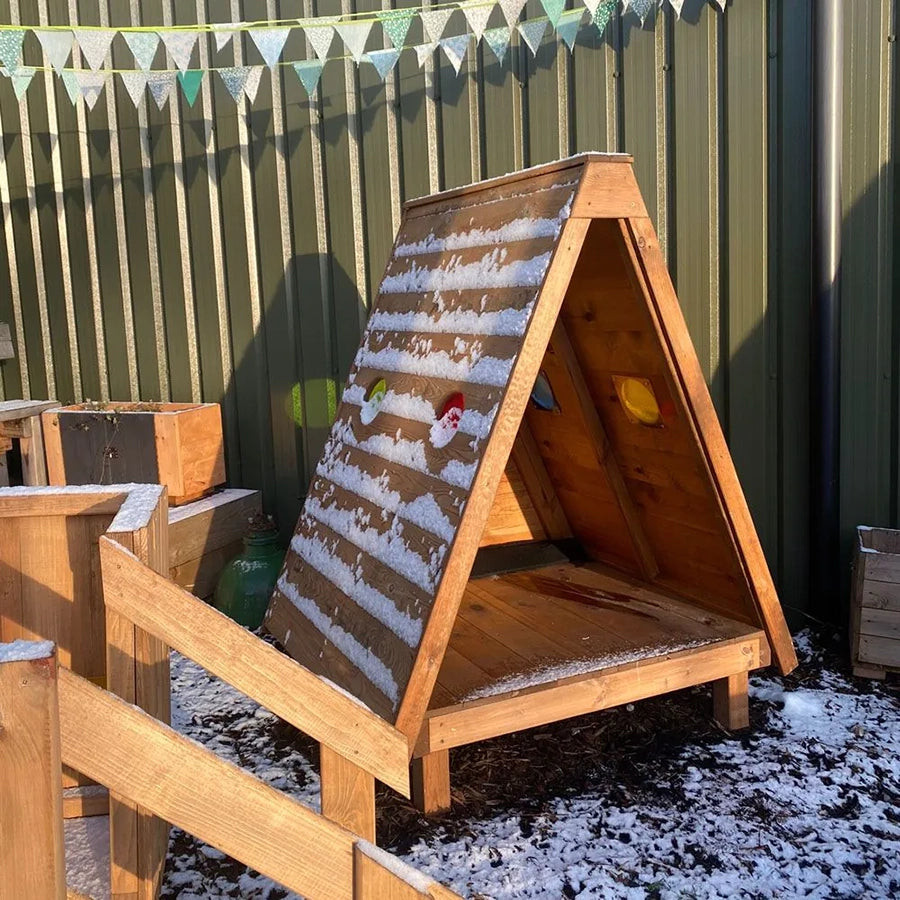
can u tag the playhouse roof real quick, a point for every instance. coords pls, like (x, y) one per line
(555, 271)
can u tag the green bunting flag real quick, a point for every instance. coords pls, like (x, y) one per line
(395, 25)
(554, 9)
(190, 82)
(603, 13)
(11, 40)
(309, 71)
(568, 25)
(70, 82)
(21, 78)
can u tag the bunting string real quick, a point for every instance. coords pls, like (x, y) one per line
(177, 45)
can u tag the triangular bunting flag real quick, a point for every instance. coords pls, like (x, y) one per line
(354, 35)
(424, 52)
(434, 21)
(554, 9)
(568, 25)
(94, 45)
(190, 82)
(532, 32)
(592, 7)
(511, 10)
(721, 4)
(135, 83)
(70, 82)
(180, 45)
(90, 86)
(11, 47)
(498, 40)
(383, 60)
(602, 14)
(143, 45)
(270, 42)
(223, 36)
(321, 35)
(234, 78)
(309, 71)
(677, 6)
(161, 84)
(57, 45)
(641, 8)
(21, 78)
(477, 16)
(455, 49)
(251, 85)
(395, 25)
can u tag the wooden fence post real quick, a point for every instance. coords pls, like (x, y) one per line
(32, 850)
(348, 793)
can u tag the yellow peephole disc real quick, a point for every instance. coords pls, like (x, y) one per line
(638, 399)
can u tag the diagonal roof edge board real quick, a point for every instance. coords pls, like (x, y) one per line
(554, 270)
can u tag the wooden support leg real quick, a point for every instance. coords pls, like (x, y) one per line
(348, 794)
(34, 466)
(430, 782)
(32, 852)
(865, 671)
(730, 706)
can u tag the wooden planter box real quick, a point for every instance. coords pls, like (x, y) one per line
(875, 610)
(175, 444)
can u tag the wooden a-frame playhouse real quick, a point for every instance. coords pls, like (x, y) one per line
(526, 509)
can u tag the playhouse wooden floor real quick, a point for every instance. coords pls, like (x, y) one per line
(535, 627)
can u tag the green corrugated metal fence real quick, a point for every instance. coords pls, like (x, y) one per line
(227, 252)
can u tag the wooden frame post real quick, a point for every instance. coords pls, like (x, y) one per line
(348, 793)
(731, 707)
(32, 849)
(431, 782)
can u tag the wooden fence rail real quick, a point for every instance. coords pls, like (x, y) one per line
(150, 765)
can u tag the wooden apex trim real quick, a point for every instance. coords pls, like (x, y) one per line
(524, 174)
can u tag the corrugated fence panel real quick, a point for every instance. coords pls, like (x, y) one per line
(228, 251)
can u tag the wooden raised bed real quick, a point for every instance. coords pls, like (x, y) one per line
(176, 444)
(875, 611)
(527, 509)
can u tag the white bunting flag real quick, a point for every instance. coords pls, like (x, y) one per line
(180, 45)
(270, 42)
(568, 25)
(721, 4)
(223, 36)
(511, 10)
(434, 21)
(94, 45)
(321, 35)
(251, 85)
(309, 71)
(143, 46)
(383, 60)
(477, 16)
(57, 45)
(161, 85)
(21, 78)
(455, 49)
(677, 6)
(532, 32)
(498, 40)
(90, 86)
(70, 82)
(424, 52)
(135, 84)
(354, 35)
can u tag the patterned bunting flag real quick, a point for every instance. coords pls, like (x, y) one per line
(57, 45)
(532, 32)
(11, 47)
(270, 42)
(641, 8)
(160, 85)
(434, 21)
(180, 45)
(21, 78)
(511, 10)
(234, 78)
(135, 84)
(424, 52)
(309, 71)
(554, 9)
(143, 46)
(383, 60)
(602, 14)
(90, 86)
(498, 40)
(395, 25)
(190, 82)
(568, 25)
(70, 82)
(251, 85)
(455, 49)
(321, 35)
(354, 35)
(477, 16)
(223, 36)
(94, 45)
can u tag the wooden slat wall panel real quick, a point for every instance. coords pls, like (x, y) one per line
(255, 297)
